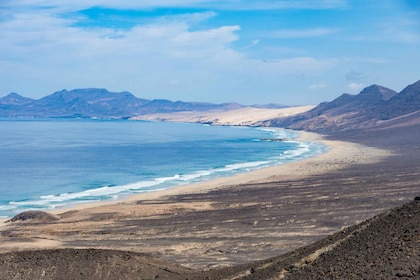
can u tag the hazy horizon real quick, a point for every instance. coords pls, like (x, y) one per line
(250, 52)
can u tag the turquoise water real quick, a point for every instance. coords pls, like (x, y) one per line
(50, 163)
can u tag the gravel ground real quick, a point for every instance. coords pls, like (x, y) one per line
(386, 246)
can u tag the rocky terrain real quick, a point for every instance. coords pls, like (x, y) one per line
(384, 247)
(86, 264)
(374, 106)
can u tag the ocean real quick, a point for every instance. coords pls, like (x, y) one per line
(50, 163)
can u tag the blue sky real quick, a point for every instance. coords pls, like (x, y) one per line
(252, 52)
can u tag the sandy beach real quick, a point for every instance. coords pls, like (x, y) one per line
(243, 218)
(92, 225)
(339, 155)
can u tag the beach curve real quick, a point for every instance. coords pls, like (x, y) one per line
(80, 224)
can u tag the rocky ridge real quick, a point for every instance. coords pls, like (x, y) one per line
(371, 107)
(97, 103)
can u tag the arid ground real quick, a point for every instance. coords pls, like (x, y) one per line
(265, 225)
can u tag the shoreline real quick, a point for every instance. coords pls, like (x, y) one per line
(149, 222)
(325, 162)
(339, 155)
(265, 221)
(68, 205)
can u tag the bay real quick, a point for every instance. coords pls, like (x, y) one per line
(48, 163)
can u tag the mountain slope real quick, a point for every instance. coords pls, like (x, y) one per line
(385, 246)
(86, 264)
(99, 103)
(406, 102)
(14, 99)
(369, 108)
(166, 106)
(85, 103)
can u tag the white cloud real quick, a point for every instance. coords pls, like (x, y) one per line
(400, 29)
(395, 29)
(306, 65)
(302, 33)
(50, 53)
(164, 56)
(353, 75)
(319, 85)
(398, 35)
(71, 5)
(355, 87)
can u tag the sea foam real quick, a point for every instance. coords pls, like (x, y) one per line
(145, 157)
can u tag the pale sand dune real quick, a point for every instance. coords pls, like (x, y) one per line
(243, 116)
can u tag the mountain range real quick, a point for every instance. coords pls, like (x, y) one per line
(98, 103)
(375, 106)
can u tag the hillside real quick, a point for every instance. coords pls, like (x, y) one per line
(373, 107)
(369, 109)
(97, 103)
(14, 99)
(386, 246)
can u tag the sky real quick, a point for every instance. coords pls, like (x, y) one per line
(293, 52)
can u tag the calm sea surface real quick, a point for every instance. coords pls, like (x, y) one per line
(49, 163)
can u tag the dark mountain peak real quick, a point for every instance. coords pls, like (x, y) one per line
(411, 90)
(14, 95)
(101, 103)
(81, 92)
(14, 99)
(370, 108)
(86, 102)
(342, 100)
(375, 93)
(92, 95)
(406, 102)
(58, 96)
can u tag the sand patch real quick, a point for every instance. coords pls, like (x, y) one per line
(245, 116)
